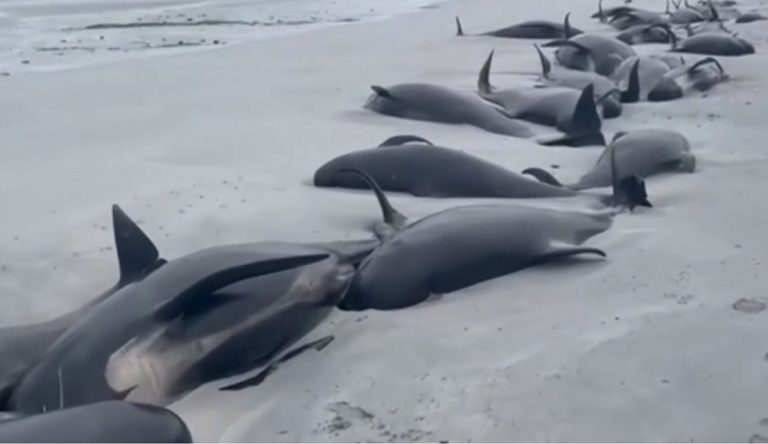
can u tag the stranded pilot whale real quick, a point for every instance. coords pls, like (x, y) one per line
(657, 80)
(416, 166)
(569, 110)
(109, 421)
(606, 91)
(215, 313)
(591, 52)
(21, 346)
(713, 43)
(643, 153)
(420, 101)
(530, 29)
(432, 171)
(460, 247)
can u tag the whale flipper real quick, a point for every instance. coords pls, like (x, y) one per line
(318, 345)
(196, 297)
(556, 253)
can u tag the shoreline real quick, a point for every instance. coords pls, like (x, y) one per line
(61, 41)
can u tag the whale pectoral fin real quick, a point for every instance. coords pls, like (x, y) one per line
(318, 345)
(179, 322)
(194, 298)
(122, 395)
(136, 253)
(560, 252)
(575, 140)
(542, 176)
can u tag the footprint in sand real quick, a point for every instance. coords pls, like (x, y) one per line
(749, 305)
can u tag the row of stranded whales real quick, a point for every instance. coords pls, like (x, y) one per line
(569, 110)
(606, 91)
(23, 345)
(608, 66)
(108, 421)
(657, 80)
(411, 164)
(591, 52)
(103, 371)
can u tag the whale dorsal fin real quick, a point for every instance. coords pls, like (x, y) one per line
(632, 93)
(484, 78)
(628, 191)
(546, 66)
(381, 91)
(601, 11)
(200, 294)
(567, 30)
(393, 218)
(403, 139)
(136, 253)
(459, 29)
(585, 118)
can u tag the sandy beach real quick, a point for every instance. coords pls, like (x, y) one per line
(209, 147)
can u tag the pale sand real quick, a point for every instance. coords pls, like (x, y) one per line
(217, 147)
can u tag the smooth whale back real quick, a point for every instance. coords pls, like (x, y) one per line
(642, 153)
(110, 421)
(651, 72)
(605, 52)
(419, 101)
(431, 171)
(460, 247)
(715, 43)
(266, 315)
(569, 110)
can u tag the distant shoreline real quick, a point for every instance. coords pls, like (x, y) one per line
(50, 40)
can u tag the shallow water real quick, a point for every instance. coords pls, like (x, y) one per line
(56, 34)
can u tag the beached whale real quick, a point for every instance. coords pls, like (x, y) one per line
(418, 167)
(570, 111)
(607, 93)
(432, 103)
(212, 314)
(529, 29)
(462, 246)
(21, 346)
(642, 153)
(109, 421)
(591, 52)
